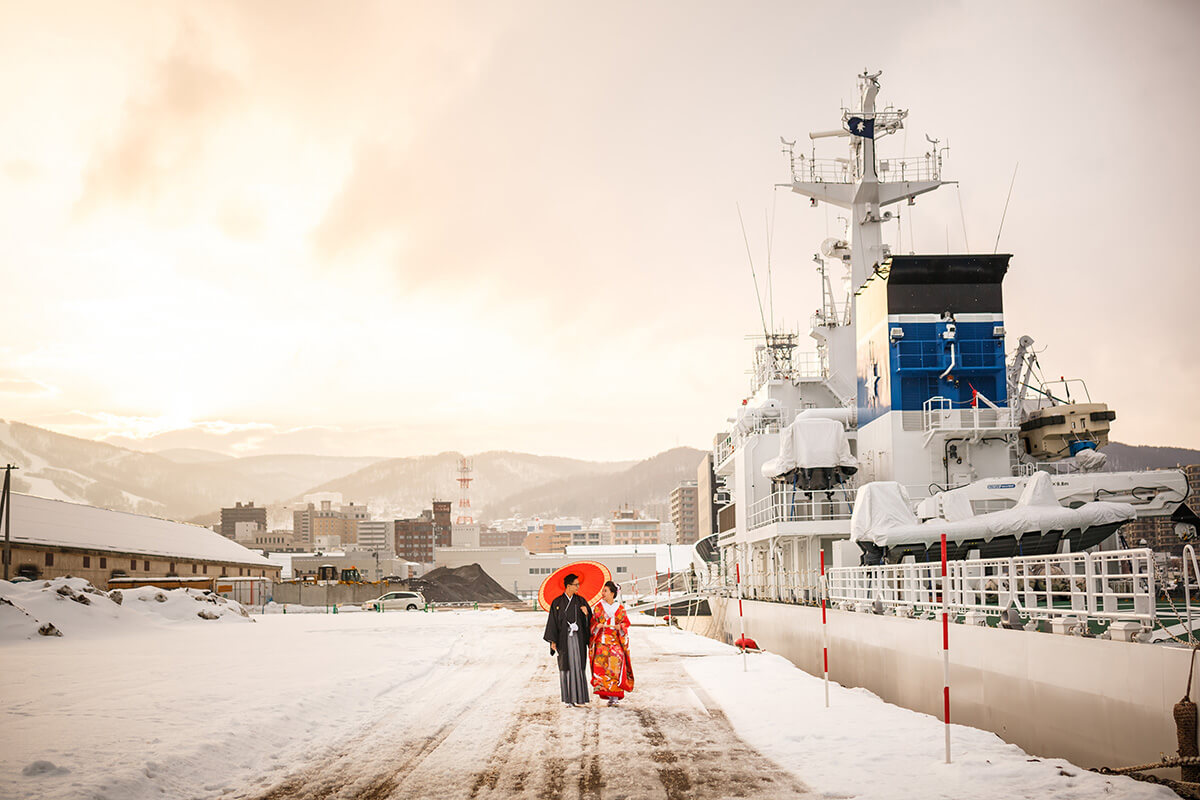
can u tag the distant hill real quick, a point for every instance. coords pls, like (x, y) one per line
(191, 455)
(597, 495)
(85, 471)
(405, 486)
(1131, 457)
(191, 484)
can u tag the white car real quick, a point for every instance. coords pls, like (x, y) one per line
(407, 601)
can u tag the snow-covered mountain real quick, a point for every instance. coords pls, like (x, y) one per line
(85, 471)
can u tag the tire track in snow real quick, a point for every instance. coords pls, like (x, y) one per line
(507, 735)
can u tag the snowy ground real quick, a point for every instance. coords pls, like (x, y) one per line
(463, 705)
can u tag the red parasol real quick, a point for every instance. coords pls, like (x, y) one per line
(592, 576)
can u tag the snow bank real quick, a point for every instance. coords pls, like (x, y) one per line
(73, 607)
(863, 747)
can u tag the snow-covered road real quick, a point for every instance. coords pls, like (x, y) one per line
(502, 733)
(462, 705)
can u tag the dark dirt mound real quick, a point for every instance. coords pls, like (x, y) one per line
(466, 584)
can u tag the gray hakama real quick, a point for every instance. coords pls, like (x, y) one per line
(573, 680)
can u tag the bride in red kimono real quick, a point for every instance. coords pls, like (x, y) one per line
(612, 674)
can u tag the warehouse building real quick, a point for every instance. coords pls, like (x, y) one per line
(53, 538)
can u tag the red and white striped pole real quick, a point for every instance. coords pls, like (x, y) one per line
(669, 614)
(741, 619)
(824, 629)
(945, 651)
(655, 588)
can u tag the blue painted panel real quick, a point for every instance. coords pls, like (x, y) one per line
(920, 357)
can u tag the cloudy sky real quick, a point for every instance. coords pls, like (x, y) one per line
(397, 228)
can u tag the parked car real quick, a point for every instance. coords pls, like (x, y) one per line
(407, 601)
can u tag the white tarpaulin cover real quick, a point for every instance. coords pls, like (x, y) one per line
(882, 515)
(810, 443)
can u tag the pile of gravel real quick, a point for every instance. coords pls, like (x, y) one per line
(466, 584)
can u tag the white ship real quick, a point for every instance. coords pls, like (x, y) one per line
(844, 467)
(909, 421)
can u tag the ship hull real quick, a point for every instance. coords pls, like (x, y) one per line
(1094, 702)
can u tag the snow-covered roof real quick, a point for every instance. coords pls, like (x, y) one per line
(38, 520)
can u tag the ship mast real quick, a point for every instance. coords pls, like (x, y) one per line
(861, 183)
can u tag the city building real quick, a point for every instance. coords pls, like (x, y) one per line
(326, 526)
(246, 532)
(280, 540)
(497, 537)
(53, 538)
(466, 534)
(302, 525)
(415, 538)
(684, 512)
(376, 534)
(628, 527)
(550, 536)
(442, 531)
(249, 512)
(591, 535)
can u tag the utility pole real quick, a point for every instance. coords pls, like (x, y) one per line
(6, 515)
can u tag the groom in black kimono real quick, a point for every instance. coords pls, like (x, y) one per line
(568, 630)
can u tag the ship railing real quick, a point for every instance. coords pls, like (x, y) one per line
(804, 366)
(939, 414)
(1110, 585)
(775, 422)
(787, 586)
(797, 505)
(915, 168)
(843, 170)
(823, 170)
(1189, 555)
(1065, 467)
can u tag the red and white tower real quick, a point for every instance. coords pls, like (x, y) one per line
(464, 493)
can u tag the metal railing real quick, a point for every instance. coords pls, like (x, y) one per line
(939, 414)
(842, 170)
(796, 505)
(1112, 585)
(804, 366)
(824, 170)
(916, 168)
(1189, 555)
(773, 421)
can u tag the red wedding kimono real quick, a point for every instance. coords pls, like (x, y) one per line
(612, 674)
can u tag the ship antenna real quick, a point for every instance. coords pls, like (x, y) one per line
(963, 216)
(1005, 213)
(753, 277)
(770, 240)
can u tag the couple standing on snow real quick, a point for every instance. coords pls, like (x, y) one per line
(581, 636)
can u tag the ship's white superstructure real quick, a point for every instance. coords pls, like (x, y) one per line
(910, 367)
